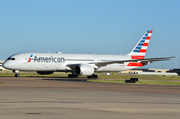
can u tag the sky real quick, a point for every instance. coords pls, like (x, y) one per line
(91, 26)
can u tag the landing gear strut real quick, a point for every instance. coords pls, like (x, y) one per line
(92, 77)
(16, 73)
(72, 76)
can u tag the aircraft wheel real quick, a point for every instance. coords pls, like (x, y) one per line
(95, 76)
(69, 75)
(92, 77)
(17, 75)
(72, 76)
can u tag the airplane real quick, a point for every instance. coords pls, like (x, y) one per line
(82, 64)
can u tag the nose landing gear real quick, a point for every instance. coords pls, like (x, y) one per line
(16, 73)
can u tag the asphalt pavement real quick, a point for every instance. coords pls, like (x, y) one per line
(45, 98)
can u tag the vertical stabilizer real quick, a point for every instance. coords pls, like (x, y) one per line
(140, 49)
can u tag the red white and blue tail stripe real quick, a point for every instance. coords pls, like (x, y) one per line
(140, 49)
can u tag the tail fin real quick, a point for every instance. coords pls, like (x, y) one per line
(139, 50)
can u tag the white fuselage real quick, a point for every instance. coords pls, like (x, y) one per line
(59, 62)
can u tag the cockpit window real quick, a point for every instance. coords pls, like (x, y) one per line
(11, 58)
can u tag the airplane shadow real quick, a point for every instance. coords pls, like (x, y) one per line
(46, 77)
(67, 79)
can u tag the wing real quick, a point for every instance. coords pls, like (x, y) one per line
(99, 64)
(134, 60)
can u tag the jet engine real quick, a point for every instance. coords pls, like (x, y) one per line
(45, 72)
(84, 70)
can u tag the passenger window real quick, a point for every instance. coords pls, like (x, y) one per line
(9, 59)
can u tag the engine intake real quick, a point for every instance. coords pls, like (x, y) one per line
(84, 70)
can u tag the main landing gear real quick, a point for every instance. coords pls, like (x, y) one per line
(72, 76)
(92, 77)
(16, 73)
(76, 76)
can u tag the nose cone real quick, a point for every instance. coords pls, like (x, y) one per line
(8, 65)
(5, 65)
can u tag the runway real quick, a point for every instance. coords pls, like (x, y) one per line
(45, 98)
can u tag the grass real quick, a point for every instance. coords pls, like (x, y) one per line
(103, 78)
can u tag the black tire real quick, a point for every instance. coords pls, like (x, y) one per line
(69, 75)
(92, 77)
(72, 76)
(95, 76)
(16, 75)
(75, 76)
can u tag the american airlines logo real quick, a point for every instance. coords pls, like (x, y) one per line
(47, 59)
(29, 60)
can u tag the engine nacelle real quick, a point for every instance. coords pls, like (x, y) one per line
(45, 72)
(84, 70)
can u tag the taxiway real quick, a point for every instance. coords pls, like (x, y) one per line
(33, 97)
